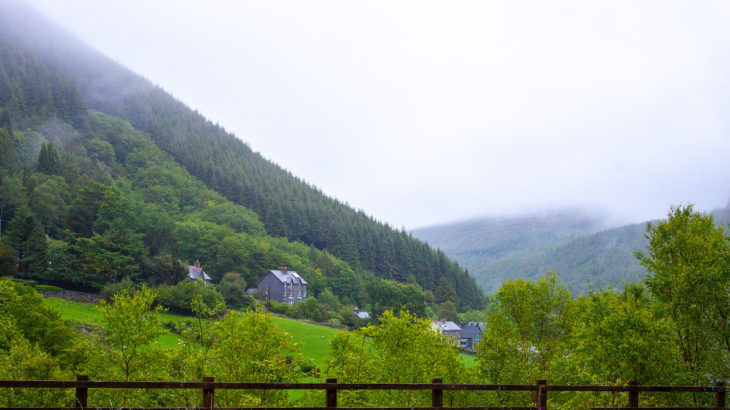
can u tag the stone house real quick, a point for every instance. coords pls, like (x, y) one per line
(471, 334)
(195, 272)
(282, 285)
(449, 329)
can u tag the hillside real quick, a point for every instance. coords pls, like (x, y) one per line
(83, 132)
(568, 243)
(476, 242)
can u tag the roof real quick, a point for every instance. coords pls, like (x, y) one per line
(363, 315)
(448, 326)
(287, 276)
(197, 273)
(470, 330)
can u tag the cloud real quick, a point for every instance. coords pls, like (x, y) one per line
(424, 112)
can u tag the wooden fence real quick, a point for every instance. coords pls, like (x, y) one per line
(208, 387)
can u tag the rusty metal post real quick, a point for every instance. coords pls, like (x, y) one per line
(720, 395)
(82, 393)
(331, 394)
(437, 395)
(208, 394)
(542, 394)
(633, 395)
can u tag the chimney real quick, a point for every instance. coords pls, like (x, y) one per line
(197, 263)
(282, 268)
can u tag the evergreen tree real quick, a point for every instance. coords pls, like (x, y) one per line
(48, 161)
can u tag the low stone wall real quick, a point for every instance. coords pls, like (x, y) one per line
(72, 295)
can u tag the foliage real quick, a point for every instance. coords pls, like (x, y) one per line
(130, 326)
(402, 349)
(233, 290)
(252, 349)
(179, 298)
(31, 319)
(689, 263)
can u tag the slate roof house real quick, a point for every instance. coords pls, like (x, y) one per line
(195, 272)
(362, 314)
(282, 285)
(449, 329)
(471, 334)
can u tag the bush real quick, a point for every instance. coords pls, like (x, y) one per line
(233, 289)
(113, 288)
(178, 298)
(280, 308)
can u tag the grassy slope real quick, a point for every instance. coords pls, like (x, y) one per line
(313, 340)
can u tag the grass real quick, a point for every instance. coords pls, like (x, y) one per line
(313, 340)
(88, 313)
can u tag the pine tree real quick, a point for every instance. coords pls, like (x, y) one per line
(48, 162)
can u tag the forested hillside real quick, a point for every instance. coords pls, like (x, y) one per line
(125, 180)
(569, 243)
(476, 242)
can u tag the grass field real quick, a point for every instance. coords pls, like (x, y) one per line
(314, 340)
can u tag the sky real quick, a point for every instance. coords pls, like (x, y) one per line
(424, 112)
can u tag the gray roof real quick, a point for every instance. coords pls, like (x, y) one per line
(448, 326)
(287, 276)
(197, 273)
(363, 315)
(470, 330)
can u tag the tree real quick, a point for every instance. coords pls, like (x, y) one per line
(233, 289)
(252, 348)
(402, 349)
(620, 338)
(130, 326)
(25, 234)
(48, 161)
(527, 334)
(688, 260)
(12, 195)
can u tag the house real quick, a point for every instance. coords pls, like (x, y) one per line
(362, 315)
(471, 334)
(282, 285)
(449, 329)
(195, 272)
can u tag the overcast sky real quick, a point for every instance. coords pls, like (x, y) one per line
(427, 112)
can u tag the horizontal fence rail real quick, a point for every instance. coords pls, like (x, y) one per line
(208, 387)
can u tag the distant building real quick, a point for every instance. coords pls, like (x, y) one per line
(282, 285)
(195, 272)
(449, 329)
(362, 315)
(471, 334)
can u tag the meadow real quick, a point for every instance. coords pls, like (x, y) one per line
(313, 340)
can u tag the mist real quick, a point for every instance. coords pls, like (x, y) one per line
(426, 112)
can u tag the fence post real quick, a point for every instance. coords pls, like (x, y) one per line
(82, 393)
(208, 394)
(633, 395)
(720, 395)
(542, 394)
(331, 394)
(437, 395)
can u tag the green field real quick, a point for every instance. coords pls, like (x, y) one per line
(313, 340)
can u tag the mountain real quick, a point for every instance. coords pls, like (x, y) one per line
(574, 245)
(80, 119)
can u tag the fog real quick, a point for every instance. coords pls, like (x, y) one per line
(426, 112)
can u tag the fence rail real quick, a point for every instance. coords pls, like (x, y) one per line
(208, 387)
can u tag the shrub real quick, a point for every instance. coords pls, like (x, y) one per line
(113, 288)
(178, 298)
(280, 308)
(233, 289)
